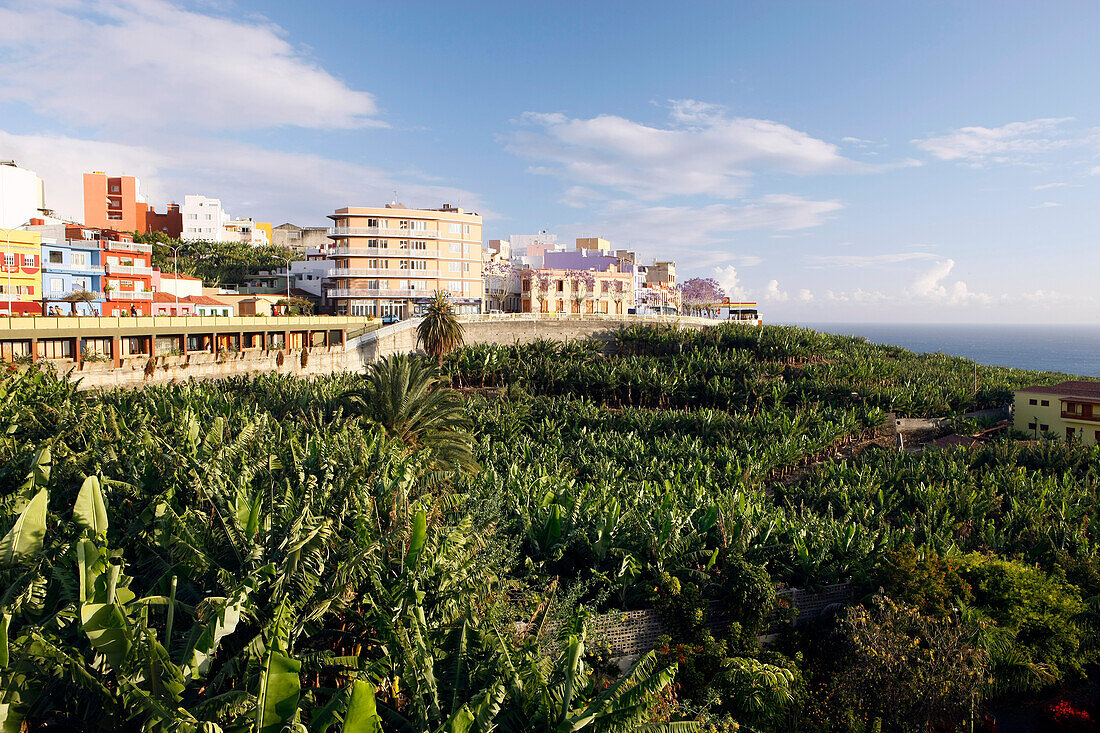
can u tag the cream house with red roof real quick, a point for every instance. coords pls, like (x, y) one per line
(1071, 410)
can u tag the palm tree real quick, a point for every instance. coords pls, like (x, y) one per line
(404, 395)
(439, 332)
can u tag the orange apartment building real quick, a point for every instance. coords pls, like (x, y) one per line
(115, 202)
(389, 261)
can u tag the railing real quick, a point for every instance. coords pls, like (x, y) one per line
(385, 272)
(65, 296)
(113, 245)
(385, 252)
(48, 267)
(1094, 417)
(82, 243)
(113, 269)
(386, 232)
(130, 295)
(374, 293)
(41, 326)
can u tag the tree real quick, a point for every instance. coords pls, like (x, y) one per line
(439, 332)
(701, 294)
(581, 283)
(404, 396)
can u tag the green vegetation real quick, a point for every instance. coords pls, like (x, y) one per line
(377, 552)
(216, 263)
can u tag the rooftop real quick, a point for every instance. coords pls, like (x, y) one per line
(1090, 390)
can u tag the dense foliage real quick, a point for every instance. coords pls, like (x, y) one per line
(376, 551)
(216, 263)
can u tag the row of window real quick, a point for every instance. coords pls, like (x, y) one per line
(416, 244)
(18, 289)
(9, 260)
(413, 265)
(1046, 403)
(416, 225)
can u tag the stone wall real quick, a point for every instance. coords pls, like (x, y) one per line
(140, 371)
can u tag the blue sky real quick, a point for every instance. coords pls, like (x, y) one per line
(835, 161)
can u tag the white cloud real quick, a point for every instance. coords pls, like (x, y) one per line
(251, 181)
(701, 152)
(805, 295)
(1009, 143)
(730, 281)
(773, 293)
(863, 261)
(931, 285)
(579, 197)
(1045, 186)
(1046, 205)
(1095, 171)
(136, 64)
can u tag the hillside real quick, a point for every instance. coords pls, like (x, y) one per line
(275, 549)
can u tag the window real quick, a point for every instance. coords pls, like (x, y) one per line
(456, 249)
(418, 265)
(403, 244)
(1046, 403)
(561, 286)
(79, 258)
(419, 226)
(208, 217)
(466, 267)
(454, 267)
(403, 224)
(403, 265)
(57, 285)
(454, 228)
(1033, 402)
(419, 244)
(9, 259)
(56, 258)
(455, 286)
(466, 229)
(1096, 436)
(372, 285)
(1044, 428)
(1031, 426)
(372, 222)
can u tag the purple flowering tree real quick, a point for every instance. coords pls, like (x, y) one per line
(581, 283)
(701, 294)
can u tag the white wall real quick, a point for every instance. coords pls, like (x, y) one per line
(21, 196)
(203, 218)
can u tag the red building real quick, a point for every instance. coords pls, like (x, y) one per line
(128, 278)
(115, 202)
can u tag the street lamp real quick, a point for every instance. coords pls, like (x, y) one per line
(176, 274)
(288, 261)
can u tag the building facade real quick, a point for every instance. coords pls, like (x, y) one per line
(389, 261)
(580, 282)
(300, 239)
(22, 195)
(117, 203)
(1070, 410)
(128, 274)
(203, 219)
(72, 271)
(20, 272)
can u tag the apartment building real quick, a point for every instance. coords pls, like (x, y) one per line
(1070, 410)
(22, 195)
(72, 270)
(128, 272)
(203, 219)
(390, 260)
(20, 272)
(117, 203)
(300, 239)
(579, 282)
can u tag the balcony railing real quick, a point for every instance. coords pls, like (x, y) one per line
(119, 246)
(65, 295)
(374, 293)
(386, 232)
(83, 243)
(385, 272)
(1094, 417)
(113, 269)
(130, 295)
(48, 267)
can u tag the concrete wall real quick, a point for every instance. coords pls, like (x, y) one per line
(141, 371)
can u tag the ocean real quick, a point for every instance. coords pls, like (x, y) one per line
(1055, 348)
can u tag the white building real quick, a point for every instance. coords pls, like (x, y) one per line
(22, 195)
(203, 219)
(244, 231)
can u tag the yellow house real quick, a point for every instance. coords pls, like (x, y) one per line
(20, 272)
(1071, 410)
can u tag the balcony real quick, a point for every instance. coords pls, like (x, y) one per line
(53, 295)
(130, 295)
(48, 267)
(374, 293)
(1093, 417)
(83, 244)
(384, 272)
(384, 232)
(118, 246)
(113, 269)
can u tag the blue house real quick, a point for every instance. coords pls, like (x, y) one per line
(71, 266)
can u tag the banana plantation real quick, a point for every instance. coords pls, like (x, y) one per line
(422, 547)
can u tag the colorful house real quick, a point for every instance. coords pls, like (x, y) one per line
(20, 272)
(128, 278)
(72, 272)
